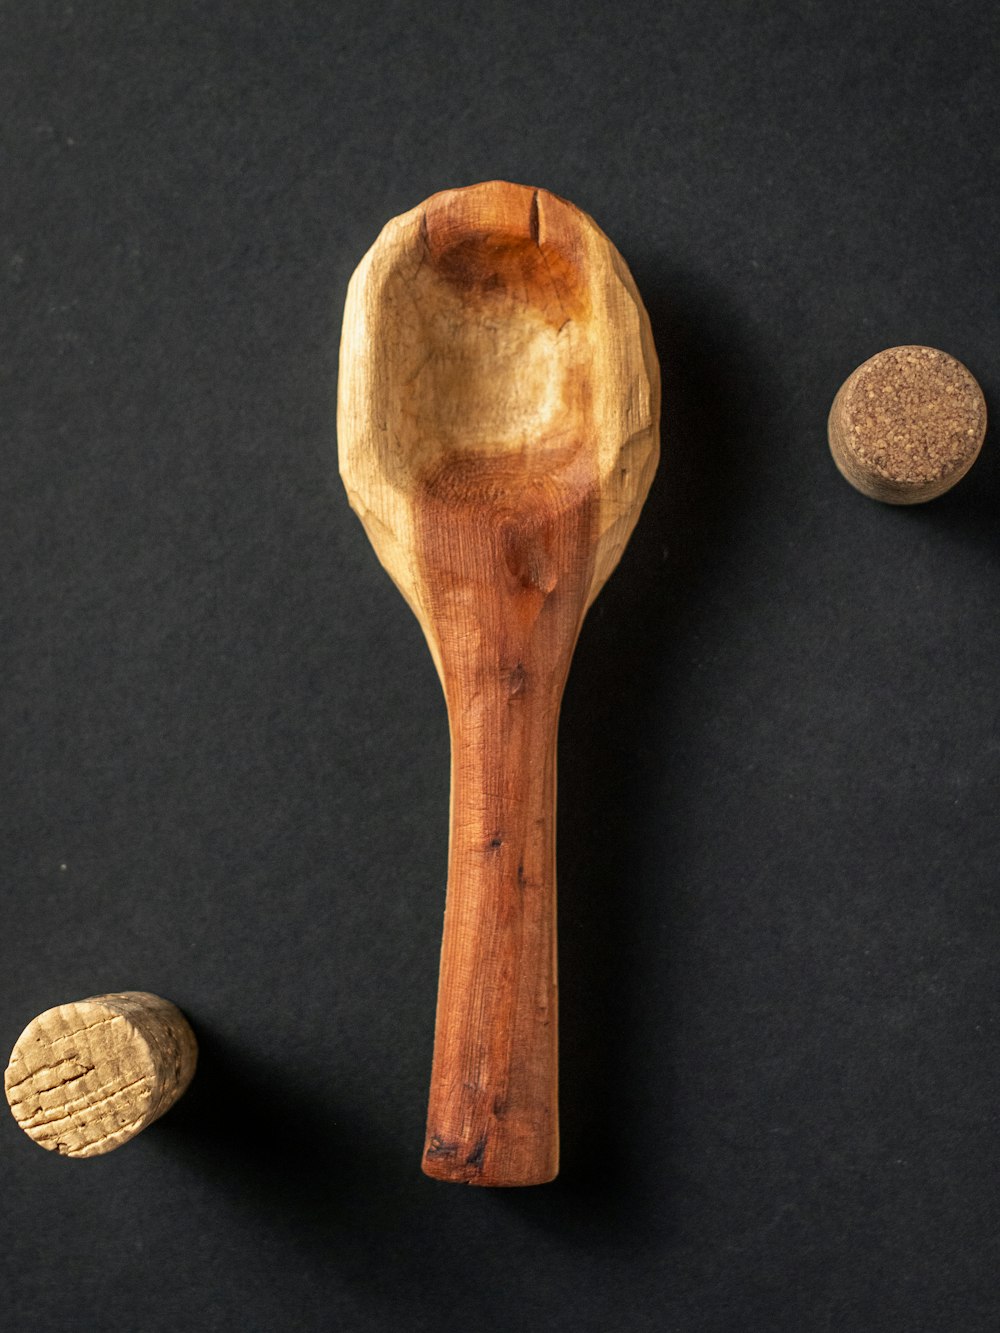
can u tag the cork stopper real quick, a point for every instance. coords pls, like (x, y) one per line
(86, 1077)
(907, 425)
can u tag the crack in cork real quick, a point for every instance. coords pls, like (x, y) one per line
(83, 1108)
(88, 1027)
(42, 1069)
(87, 1149)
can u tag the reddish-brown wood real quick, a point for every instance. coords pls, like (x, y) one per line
(498, 428)
(510, 576)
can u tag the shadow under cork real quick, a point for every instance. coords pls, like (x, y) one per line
(294, 1162)
(618, 867)
(969, 512)
(267, 1139)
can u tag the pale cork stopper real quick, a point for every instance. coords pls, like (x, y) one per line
(86, 1077)
(907, 425)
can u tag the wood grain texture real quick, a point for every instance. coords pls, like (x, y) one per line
(86, 1077)
(498, 422)
(907, 425)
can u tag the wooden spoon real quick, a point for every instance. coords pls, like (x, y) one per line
(498, 420)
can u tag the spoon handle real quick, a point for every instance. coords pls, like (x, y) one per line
(492, 1117)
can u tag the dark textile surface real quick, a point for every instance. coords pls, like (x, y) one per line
(225, 755)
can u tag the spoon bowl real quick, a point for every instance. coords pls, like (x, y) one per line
(498, 425)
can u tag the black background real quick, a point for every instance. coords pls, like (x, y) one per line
(225, 772)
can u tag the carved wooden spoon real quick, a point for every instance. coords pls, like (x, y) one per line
(498, 421)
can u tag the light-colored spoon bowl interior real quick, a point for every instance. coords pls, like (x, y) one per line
(493, 338)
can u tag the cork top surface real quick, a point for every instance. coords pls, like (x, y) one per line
(913, 415)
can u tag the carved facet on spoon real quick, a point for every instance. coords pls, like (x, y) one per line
(498, 424)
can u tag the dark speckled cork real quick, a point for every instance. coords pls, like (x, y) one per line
(907, 424)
